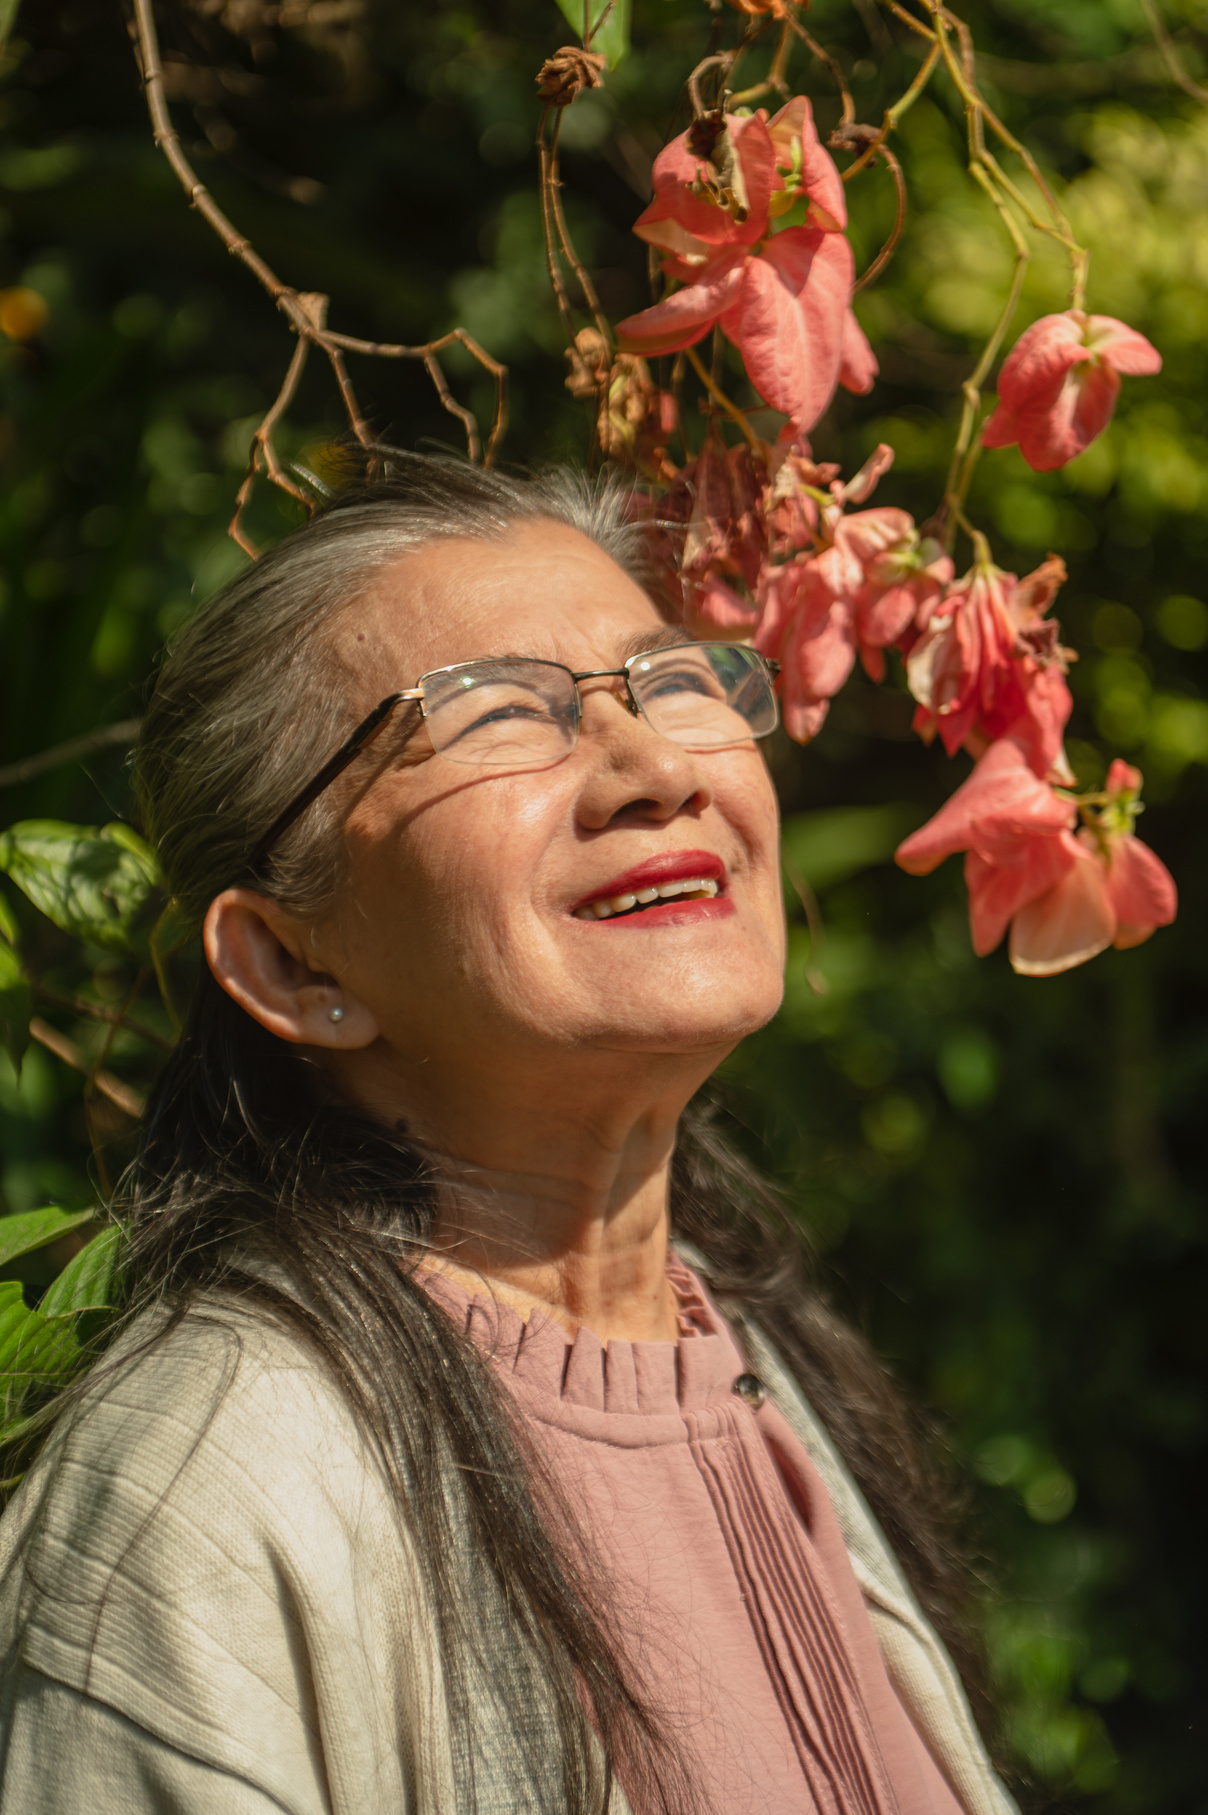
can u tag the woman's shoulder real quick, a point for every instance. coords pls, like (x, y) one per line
(225, 1416)
(206, 1539)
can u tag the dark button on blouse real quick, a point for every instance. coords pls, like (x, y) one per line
(751, 1388)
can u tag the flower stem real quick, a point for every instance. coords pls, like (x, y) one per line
(718, 395)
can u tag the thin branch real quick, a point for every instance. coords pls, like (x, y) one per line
(304, 310)
(381, 349)
(547, 152)
(719, 396)
(96, 1011)
(263, 453)
(776, 77)
(127, 1100)
(824, 57)
(891, 244)
(603, 325)
(966, 450)
(916, 25)
(1170, 55)
(124, 732)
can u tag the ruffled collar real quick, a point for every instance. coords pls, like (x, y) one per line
(549, 1368)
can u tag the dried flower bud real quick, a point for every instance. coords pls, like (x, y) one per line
(587, 362)
(567, 74)
(852, 136)
(704, 133)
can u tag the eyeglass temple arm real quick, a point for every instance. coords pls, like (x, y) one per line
(366, 731)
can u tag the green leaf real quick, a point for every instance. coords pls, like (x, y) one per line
(829, 846)
(33, 1349)
(94, 883)
(609, 26)
(16, 1005)
(32, 1229)
(8, 18)
(85, 1284)
(9, 930)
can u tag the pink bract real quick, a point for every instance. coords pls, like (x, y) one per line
(1059, 384)
(988, 664)
(1066, 896)
(783, 299)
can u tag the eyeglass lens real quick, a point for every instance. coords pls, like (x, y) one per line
(511, 713)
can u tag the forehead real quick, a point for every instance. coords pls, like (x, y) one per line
(542, 590)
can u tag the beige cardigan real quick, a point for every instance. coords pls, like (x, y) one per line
(217, 1610)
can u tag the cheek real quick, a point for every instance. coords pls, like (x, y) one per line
(452, 876)
(746, 800)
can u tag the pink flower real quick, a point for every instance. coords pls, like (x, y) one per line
(809, 602)
(725, 544)
(988, 663)
(1059, 383)
(807, 627)
(1015, 830)
(783, 299)
(1065, 896)
(1117, 893)
(903, 576)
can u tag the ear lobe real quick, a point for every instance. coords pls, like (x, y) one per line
(258, 953)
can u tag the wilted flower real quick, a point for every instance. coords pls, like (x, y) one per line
(564, 75)
(636, 419)
(1059, 384)
(903, 577)
(809, 602)
(989, 663)
(725, 541)
(783, 299)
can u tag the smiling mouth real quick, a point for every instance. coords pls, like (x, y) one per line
(609, 907)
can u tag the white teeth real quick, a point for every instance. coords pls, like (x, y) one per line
(604, 909)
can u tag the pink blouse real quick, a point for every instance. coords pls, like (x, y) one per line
(730, 1588)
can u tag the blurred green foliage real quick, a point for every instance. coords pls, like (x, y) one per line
(1003, 1176)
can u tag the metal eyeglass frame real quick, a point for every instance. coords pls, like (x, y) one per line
(371, 727)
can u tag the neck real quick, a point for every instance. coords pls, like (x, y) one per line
(555, 1187)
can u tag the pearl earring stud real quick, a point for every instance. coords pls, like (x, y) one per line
(335, 1014)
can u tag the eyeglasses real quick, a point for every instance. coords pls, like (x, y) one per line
(511, 713)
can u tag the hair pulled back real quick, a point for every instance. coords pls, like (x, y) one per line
(243, 1161)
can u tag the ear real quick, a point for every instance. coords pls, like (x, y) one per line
(261, 955)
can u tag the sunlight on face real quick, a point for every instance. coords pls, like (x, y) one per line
(470, 918)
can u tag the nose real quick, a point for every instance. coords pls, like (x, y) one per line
(630, 771)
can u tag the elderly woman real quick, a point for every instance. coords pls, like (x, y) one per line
(468, 1447)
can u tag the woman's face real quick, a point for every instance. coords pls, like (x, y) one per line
(458, 927)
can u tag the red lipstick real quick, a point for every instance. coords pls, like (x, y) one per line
(657, 873)
(671, 866)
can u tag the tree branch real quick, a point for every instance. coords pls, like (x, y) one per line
(305, 311)
(124, 732)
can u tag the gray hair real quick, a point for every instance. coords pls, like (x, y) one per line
(250, 701)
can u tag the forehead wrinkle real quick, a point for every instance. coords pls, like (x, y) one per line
(645, 642)
(641, 642)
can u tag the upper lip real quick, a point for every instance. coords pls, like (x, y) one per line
(671, 866)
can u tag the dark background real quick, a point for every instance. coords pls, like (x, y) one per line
(1003, 1176)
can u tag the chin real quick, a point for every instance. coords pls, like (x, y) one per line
(701, 1022)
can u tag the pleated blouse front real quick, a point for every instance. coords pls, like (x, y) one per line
(728, 1584)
